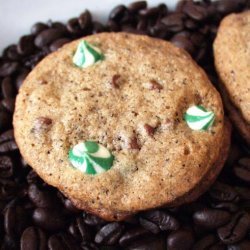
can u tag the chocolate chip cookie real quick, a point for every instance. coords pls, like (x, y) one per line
(232, 60)
(122, 123)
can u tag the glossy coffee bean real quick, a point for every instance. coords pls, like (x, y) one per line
(58, 44)
(211, 218)
(6, 167)
(117, 13)
(5, 120)
(195, 11)
(236, 229)
(73, 26)
(92, 220)
(85, 20)
(38, 28)
(8, 189)
(62, 241)
(136, 6)
(8, 68)
(49, 219)
(11, 53)
(21, 77)
(7, 88)
(180, 239)
(149, 243)
(33, 238)
(109, 234)
(7, 143)
(9, 104)
(174, 22)
(48, 36)
(206, 242)
(244, 245)
(242, 169)
(26, 45)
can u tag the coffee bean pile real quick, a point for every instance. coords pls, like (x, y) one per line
(35, 215)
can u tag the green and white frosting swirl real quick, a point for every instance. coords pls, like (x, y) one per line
(198, 118)
(91, 157)
(86, 55)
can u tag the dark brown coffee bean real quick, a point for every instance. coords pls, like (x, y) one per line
(49, 219)
(183, 42)
(148, 243)
(21, 77)
(7, 88)
(26, 45)
(70, 206)
(191, 24)
(109, 234)
(57, 25)
(7, 142)
(80, 231)
(38, 28)
(48, 36)
(98, 27)
(15, 220)
(244, 245)
(8, 68)
(33, 178)
(113, 26)
(33, 238)
(195, 11)
(41, 198)
(174, 22)
(73, 26)
(93, 220)
(180, 239)
(11, 53)
(117, 13)
(9, 243)
(6, 167)
(236, 229)
(132, 235)
(227, 206)
(223, 192)
(85, 20)
(136, 6)
(242, 169)
(149, 12)
(58, 44)
(161, 219)
(205, 243)
(9, 104)
(62, 241)
(8, 189)
(5, 120)
(225, 6)
(211, 218)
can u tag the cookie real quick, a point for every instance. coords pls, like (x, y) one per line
(122, 123)
(232, 61)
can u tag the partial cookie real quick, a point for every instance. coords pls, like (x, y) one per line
(122, 123)
(232, 61)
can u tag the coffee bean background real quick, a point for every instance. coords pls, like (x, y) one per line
(36, 216)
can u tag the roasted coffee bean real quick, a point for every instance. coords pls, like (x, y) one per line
(191, 24)
(9, 243)
(57, 25)
(15, 220)
(33, 178)
(148, 243)
(38, 28)
(93, 220)
(5, 120)
(242, 169)
(42, 198)
(195, 11)
(136, 6)
(183, 42)
(244, 245)
(109, 234)
(92, 246)
(8, 189)
(223, 192)
(225, 6)
(211, 218)
(227, 206)
(180, 239)
(58, 44)
(117, 13)
(174, 22)
(62, 241)
(98, 27)
(7, 88)
(206, 242)
(236, 229)
(33, 238)
(132, 235)
(9, 104)
(85, 20)
(48, 36)
(150, 226)
(6, 167)
(79, 230)
(20, 78)
(8, 68)
(11, 53)
(243, 192)
(26, 45)
(7, 143)
(161, 219)
(49, 219)
(73, 26)
(149, 12)
(70, 206)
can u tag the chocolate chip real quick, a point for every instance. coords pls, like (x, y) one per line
(33, 238)
(109, 234)
(133, 144)
(155, 85)
(211, 218)
(149, 129)
(242, 169)
(115, 81)
(42, 124)
(180, 239)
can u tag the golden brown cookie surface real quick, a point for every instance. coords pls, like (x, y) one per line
(232, 60)
(133, 103)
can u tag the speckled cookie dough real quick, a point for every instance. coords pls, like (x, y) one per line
(232, 60)
(133, 107)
